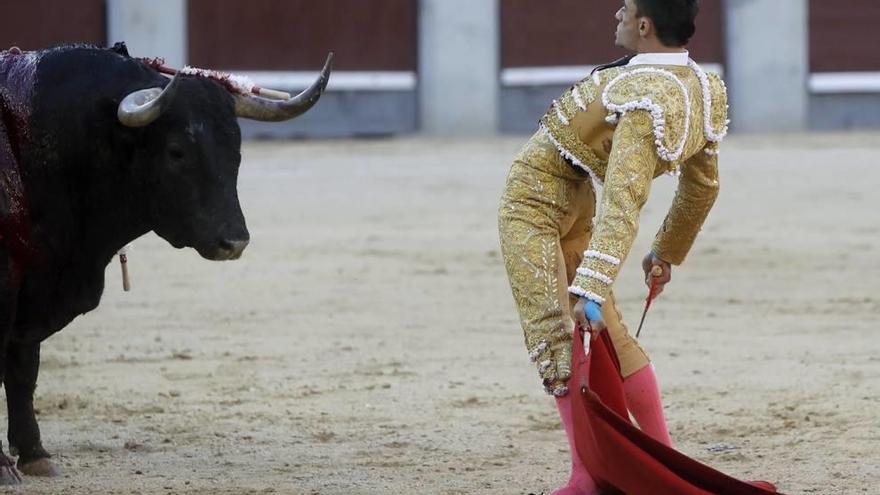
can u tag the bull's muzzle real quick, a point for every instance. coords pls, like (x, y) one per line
(230, 249)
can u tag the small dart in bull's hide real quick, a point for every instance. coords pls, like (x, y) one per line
(237, 83)
(123, 262)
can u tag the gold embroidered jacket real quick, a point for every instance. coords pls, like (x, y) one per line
(625, 126)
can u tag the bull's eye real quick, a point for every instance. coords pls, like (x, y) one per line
(175, 153)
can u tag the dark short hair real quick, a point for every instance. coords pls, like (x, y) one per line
(674, 19)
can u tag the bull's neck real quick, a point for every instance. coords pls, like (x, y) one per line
(114, 213)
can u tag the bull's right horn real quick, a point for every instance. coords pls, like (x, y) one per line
(143, 107)
(256, 108)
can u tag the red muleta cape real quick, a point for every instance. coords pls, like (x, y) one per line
(622, 459)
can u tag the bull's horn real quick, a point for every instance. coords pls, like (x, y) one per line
(257, 108)
(144, 106)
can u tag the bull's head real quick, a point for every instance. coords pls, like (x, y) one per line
(191, 146)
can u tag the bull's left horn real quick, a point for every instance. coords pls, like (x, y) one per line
(144, 106)
(257, 108)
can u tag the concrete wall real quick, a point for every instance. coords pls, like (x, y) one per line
(844, 111)
(150, 28)
(458, 66)
(523, 106)
(345, 114)
(458, 90)
(153, 28)
(767, 64)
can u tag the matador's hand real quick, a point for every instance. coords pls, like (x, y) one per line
(554, 364)
(588, 316)
(648, 264)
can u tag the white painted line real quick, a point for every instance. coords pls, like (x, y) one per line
(845, 82)
(562, 75)
(339, 80)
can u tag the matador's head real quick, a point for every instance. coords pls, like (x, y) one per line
(652, 25)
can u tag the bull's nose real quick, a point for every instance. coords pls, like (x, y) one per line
(233, 247)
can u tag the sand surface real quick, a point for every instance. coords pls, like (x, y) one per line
(367, 342)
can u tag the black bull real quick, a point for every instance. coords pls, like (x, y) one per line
(97, 149)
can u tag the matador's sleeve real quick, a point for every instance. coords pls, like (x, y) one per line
(697, 190)
(628, 178)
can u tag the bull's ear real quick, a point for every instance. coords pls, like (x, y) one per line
(120, 48)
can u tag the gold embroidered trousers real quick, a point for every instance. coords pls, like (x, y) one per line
(545, 223)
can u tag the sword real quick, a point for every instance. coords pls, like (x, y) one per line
(656, 272)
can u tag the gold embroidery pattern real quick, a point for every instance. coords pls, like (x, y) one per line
(631, 169)
(661, 127)
(533, 207)
(565, 136)
(697, 190)
(542, 186)
(662, 94)
(719, 108)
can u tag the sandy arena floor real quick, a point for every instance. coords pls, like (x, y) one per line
(367, 342)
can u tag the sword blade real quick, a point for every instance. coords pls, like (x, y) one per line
(644, 314)
(651, 294)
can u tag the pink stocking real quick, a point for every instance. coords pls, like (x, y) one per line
(643, 402)
(580, 482)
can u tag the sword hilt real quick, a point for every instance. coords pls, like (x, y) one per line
(656, 273)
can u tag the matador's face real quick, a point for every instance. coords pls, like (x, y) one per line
(628, 26)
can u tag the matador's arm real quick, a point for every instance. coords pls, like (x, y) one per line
(631, 169)
(697, 190)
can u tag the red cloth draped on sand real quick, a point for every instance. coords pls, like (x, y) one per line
(622, 459)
